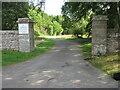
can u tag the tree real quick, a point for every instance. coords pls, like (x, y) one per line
(11, 11)
(57, 28)
(78, 10)
(51, 30)
(79, 28)
(113, 15)
(43, 21)
(45, 24)
(67, 25)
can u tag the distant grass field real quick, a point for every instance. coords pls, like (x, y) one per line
(10, 57)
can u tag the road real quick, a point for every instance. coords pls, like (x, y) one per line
(61, 67)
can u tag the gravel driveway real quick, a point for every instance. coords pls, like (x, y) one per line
(62, 67)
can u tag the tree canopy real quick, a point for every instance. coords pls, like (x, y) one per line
(44, 23)
(11, 11)
(76, 17)
(84, 11)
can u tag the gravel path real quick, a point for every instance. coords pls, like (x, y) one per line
(61, 67)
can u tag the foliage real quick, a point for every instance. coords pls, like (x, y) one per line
(45, 24)
(10, 57)
(57, 28)
(79, 28)
(76, 11)
(57, 18)
(67, 25)
(36, 4)
(37, 19)
(11, 11)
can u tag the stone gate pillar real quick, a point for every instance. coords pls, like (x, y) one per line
(26, 35)
(99, 35)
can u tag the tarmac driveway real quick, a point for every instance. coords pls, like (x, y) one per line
(61, 67)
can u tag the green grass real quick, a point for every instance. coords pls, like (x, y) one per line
(86, 47)
(10, 57)
(39, 38)
(82, 39)
(107, 63)
(70, 38)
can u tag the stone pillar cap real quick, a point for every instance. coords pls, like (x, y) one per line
(100, 17)
(25, 20)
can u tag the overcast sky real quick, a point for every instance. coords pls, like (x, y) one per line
(53, 7)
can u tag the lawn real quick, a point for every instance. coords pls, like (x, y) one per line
(10, 57)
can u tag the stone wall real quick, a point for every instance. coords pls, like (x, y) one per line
(112, 40)
(22, 39)
(10, 40)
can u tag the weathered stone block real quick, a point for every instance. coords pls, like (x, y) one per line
(24, 43)
(113, 40)
(99, 35)
(9, 40)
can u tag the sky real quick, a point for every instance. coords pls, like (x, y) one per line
(53, 7)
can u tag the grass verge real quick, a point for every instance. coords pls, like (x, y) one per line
(10, 57)
(107, 63)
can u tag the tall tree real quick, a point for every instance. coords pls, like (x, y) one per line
(11, 11)
(78, 10)
(57, 28)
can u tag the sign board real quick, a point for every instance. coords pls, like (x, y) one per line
(23, 28)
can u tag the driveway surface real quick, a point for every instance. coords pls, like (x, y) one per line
(62, 67)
